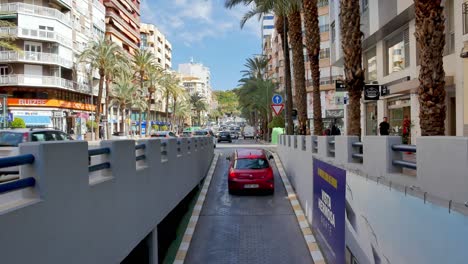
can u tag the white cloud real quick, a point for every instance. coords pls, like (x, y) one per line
(193, 21)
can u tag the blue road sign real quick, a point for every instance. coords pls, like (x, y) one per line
(277, 99)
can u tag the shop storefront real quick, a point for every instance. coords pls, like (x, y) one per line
(398, 109)
(53, 113)
(371, 119)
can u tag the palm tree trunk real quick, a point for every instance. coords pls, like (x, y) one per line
(312, 40)
(282, 29)
(122, 110)
(99, 99)
(174, 111)
(352, 50)
(167, 107)
(430, 39)
(140, 120)
(295, 36)
(108, 81)
(148, 125)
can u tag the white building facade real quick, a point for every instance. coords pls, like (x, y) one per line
(390, 58)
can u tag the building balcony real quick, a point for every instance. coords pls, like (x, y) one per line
(34, 57)
(36, 34)
(111, 30)
(37, 80)
(67, 4)
(99, 6)
(28, 9)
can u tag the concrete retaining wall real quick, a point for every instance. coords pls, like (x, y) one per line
(73, 216)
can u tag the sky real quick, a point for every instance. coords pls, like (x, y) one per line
(207, 32)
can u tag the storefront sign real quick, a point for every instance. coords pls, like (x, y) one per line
(340, 86)
(334, 113)
(31, 113)
(329, 210)
(50, 103)
(384, 90)
(371, 92)
(58, 114)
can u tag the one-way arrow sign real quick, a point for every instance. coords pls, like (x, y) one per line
(277, 108)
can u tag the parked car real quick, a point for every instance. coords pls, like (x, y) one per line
(249, 132)
(206, 133)
(13, 137)
(250, 169)
(224, 136)
(163, 134)
(234, 134)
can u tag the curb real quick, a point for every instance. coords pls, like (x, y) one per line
(309, 237)
(187, 238)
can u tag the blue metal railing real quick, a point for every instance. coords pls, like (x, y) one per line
(357, 144)
(163, 144)
(141, 157)
(404, 163)
(358, 156)
(16, 160)
(17, 185)
(98, 167)
(97, 152)
(140, 146)
(404, 148)
(331, 142)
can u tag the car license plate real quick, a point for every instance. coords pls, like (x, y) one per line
(250, 186)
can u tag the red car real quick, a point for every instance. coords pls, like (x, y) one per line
(250, 169)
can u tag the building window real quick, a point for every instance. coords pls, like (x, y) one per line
(323, 24)
(397, 52)
(449, 28)
(365, 5)
(370, 63)
(3, 70)
(324, 53)
(322, 3)
(268, 27)
(333, 33)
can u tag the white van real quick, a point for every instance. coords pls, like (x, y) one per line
(249, 132)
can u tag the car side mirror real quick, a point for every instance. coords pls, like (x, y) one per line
(270, 157)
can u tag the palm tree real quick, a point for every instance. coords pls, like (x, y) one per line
(199, 105)
(283, 9)
(351, 43)
(142, 61)
(177, 93)
(140, 104)
(256, 67)
(182, 112)
(7, 40)
(153, 79)
(169, 83)
(430, 39)
(99, 54)
(123, 92)
(117, 64)
(312, 41)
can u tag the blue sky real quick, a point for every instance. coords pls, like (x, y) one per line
(206, 31)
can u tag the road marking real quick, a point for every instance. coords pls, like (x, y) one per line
(309, 238)
(188, 235)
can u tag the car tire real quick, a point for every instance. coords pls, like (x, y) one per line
(271, 192)
(230, 141)
(231, 191)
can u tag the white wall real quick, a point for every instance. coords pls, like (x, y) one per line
(72, 216)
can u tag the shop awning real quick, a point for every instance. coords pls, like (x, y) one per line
(36, 120)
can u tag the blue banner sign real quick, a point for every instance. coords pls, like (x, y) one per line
(329, 210)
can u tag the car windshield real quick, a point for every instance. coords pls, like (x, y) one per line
(224, 133)
(201, 133)
(10, 139)
(251, 164)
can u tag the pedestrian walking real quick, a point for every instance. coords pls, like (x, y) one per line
(406, 130)
(384, 127)
(101, 132)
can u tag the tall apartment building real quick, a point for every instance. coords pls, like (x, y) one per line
(123, 23)
(155, 41)
(391, 59)
(41, 80)
(268, 26)
(332, 102)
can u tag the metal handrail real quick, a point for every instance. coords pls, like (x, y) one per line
(332, 151)
(98, 151)
(357, 144)
(358, 156)
(16, 160)
(140, 146)
(404, 148)
(98, 167)
(17, 185)
(331, 142)
(141, 157)
(315, 140)
(405, 164)
(163, 144)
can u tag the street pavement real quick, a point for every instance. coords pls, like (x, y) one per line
(246, 228)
